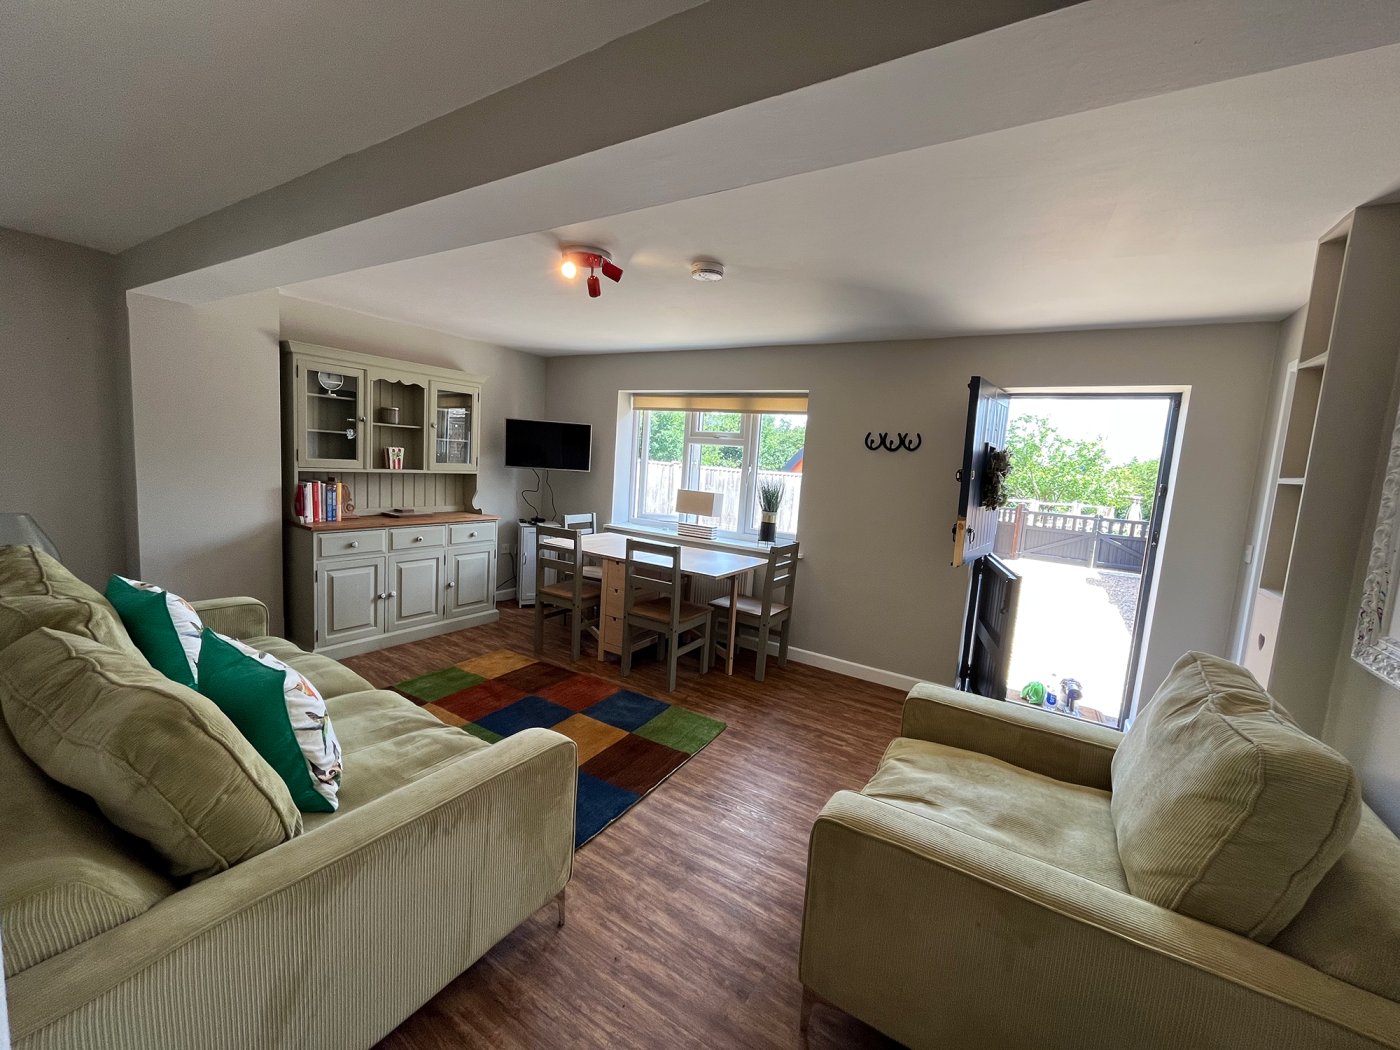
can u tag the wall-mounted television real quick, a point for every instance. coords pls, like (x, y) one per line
(548, 445)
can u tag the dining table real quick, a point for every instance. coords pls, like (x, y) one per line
(610, 548)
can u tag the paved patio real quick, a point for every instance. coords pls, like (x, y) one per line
(1074, 622)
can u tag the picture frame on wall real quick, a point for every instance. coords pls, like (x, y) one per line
(1377, 643)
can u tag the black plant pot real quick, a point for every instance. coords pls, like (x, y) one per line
(768, 528)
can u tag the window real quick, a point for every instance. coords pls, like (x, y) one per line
(725, 443)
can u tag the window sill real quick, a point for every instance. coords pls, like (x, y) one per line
(739, 546)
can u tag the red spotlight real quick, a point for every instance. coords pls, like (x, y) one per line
(611, 270)
(595, 287)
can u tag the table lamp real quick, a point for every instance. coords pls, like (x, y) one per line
(22, 530)
(697, 504)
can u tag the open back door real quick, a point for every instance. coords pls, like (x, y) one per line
(993, 589)
(988, 411)
(991, 620)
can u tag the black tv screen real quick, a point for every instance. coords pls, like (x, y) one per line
(547, 445)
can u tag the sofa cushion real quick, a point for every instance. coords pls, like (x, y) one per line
(67, 873)
(163, 626)
(388, 742)
(329, 677)
(1350, 926)
(1064, 825)
(37, 591)
(279, 712)
(1225, 810)
(161, 761)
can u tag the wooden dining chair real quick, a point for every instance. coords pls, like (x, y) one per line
(652, 600)
(759, 617)
(570, 594)
(586, 524)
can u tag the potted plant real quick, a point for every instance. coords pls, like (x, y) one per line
(770, 498)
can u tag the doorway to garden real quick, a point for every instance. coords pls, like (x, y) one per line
(1076, 484)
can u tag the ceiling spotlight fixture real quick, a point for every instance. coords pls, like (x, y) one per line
(580, 257)
(707, 270)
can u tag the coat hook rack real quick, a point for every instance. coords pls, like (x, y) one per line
(900, 442)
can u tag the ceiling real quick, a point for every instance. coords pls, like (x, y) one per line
(1198, 205)
(123, 120)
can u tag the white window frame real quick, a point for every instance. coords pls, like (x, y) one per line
(747, 439)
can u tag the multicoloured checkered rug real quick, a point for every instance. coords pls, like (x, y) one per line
(627, 743)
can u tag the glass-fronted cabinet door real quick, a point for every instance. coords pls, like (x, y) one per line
(330, 407)
(454, 426)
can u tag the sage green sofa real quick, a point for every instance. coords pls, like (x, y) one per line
(972, 896)
(441, 846)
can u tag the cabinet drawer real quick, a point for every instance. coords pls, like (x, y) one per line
(336, 544)
(412, 539)
(472, 532)
(612, 601)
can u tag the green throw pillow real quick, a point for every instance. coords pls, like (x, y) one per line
(164, 627)
(279, 712)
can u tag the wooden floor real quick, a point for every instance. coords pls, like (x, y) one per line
(684, 916)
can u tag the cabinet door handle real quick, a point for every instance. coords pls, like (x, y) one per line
(471, 535)
(449, 585)
(393, 594)
(362, 419)
(381, 595)
(354, 543)
(417, 539)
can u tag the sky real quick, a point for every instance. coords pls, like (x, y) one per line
(1130, 427)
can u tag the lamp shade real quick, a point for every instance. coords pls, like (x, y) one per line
(20, 530)
(695, 501)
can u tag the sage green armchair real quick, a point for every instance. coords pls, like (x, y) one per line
(971, 896)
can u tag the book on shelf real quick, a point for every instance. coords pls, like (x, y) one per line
(319, 501)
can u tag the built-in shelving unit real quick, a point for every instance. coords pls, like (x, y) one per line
(1321, 479)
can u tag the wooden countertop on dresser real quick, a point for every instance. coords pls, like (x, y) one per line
(385, 521)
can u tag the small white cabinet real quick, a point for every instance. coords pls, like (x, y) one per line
(353, 590)
(348, 599)
(471, 580)
(415, 589)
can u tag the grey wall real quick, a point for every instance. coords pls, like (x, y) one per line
(514, 386)
(877, 588)
(60, 400)
(1363, 715)
(205, 412)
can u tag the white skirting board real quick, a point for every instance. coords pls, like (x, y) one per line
(848, 667)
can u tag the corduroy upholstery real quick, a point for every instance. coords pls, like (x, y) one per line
(1226, 810)
(1350, 926)
(940, 933)
(1024, 812)
(160, 761)
(329, 677)
(37, 591)
(241, 618)
(66, 872)
(442, 845)
(333, 938)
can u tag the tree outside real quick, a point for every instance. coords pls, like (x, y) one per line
(780, 438)
(1050, 467)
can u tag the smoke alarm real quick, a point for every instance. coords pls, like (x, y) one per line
(707, 270)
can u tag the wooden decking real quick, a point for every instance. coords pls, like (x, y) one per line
(685, 915)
